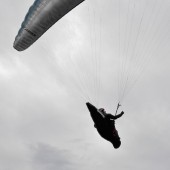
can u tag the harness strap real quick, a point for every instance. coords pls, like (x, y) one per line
(118, 105)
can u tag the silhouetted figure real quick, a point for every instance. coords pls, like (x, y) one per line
(105, 124)
(114, 138)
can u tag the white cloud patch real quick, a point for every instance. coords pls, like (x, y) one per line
(10, 67)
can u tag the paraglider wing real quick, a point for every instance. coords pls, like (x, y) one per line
(40, 17)
(99, 121)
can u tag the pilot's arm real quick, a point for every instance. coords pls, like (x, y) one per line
(119, 115)
(116, 116)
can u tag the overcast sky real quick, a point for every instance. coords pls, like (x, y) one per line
(44, 123)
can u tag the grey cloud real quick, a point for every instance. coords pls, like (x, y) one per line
(46, 157)
(44, 123)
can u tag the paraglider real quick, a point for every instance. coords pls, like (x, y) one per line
(40, 17)
(137, 33)
(105, 124)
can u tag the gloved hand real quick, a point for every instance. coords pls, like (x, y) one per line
(122, 113)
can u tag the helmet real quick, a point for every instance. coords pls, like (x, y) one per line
(101, 109)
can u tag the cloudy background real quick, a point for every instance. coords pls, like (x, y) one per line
(44, 123)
